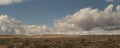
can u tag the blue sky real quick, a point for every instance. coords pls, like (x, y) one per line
(40, 12)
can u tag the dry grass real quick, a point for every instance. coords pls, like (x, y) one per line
(85, 41)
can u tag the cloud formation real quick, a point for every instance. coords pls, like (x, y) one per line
(88, 20)
(11, 26)
(7, 2)
(109, 0)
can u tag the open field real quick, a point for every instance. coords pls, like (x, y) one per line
(60, 41)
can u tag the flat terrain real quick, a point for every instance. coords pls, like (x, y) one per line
(60, 41)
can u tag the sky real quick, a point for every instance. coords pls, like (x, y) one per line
(45, 11)
(48, 12)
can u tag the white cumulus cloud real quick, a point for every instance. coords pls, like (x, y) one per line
(11, 26)
(91, 21)
(7, 2)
